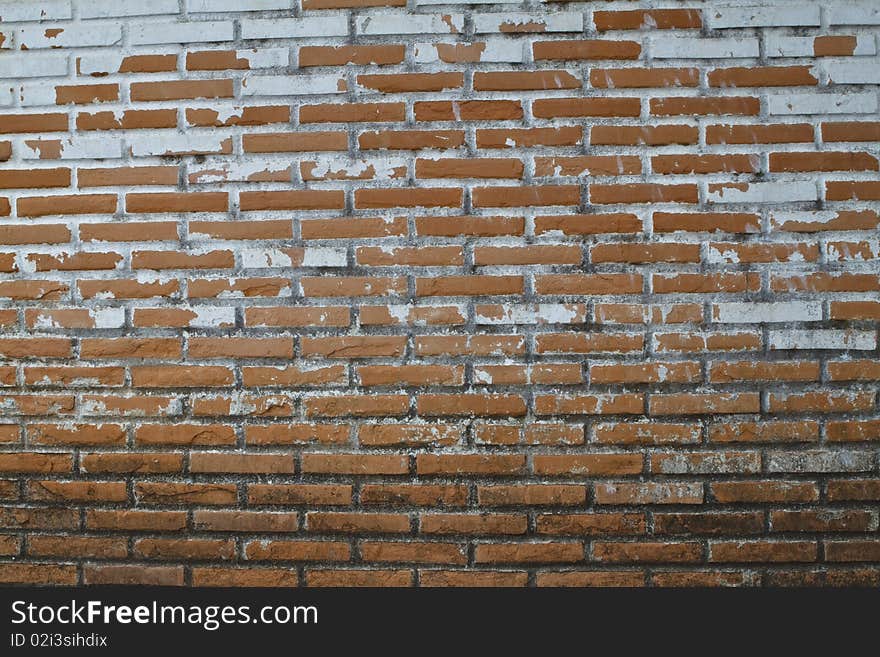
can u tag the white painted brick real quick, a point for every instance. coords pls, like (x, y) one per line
(757, 312)
(210, 316)
(278, 258)
(778, 218)
(404, 314)
(664, 310)
(724, 254)
(668, 47)
(256, 58)
(864, 45)
(324, 257)
(383, 168)
(226, 112)
(74, 148)
(292, 85)
(13, 11)
(7, 98)
(852, 72)
(541, 313)
(35, 94)
(33, 65)
(400, 23)
(97, 407)
(468, 2)
(200, 6)
(142, 34)
(823, 339)
(561, 21)
(264, 57)
(144, 145)
(483, 375)
(496, 50)
(233, 172)
(107, 318)
(284, 291)
(762, 192)
(99, 65)
(243, 403)
(114, 8)
(765, 15)
(859, 13)
(787, 46)
(820, 461)
(68, 36)
(814, 103)
(104, 318)
(853, 252)
(486, 374)
(717, 463)
(286, 28)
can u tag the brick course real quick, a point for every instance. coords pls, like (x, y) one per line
(374, 293)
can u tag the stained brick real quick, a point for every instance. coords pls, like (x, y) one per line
(390, 296)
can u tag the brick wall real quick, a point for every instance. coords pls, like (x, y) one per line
(410, 293)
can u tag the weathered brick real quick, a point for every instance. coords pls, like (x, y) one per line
(384, 295)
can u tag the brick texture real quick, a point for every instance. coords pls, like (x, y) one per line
(365, 292)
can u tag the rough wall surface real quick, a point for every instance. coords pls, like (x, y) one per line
(349, 292)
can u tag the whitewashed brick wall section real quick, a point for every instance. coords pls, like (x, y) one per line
(435, 292)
